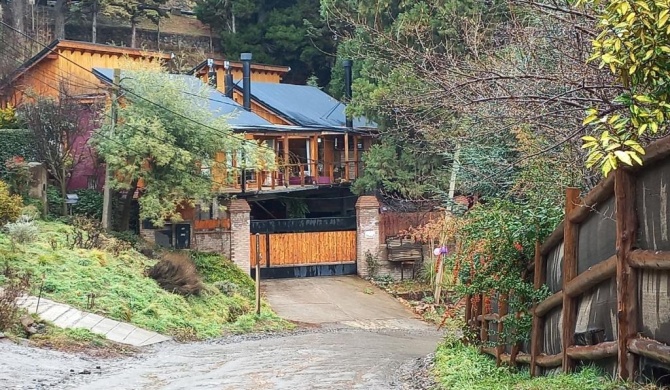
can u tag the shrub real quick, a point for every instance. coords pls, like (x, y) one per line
(177, 274)
(18, 176)
(10, 205)
(23, 230)
(54, 202)
(31, 211)
(87, 234)
(16, 143)
(127, 236)
(89, 204)
(14, 286)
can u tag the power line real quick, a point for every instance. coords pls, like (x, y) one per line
(200, 177)
(131, 92)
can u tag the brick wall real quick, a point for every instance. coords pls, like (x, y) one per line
(367, 228)
(218, 242)
(368, 241)
(240, 223)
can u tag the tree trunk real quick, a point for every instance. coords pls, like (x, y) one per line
(158, 34)
(94, 22)
(59, 19)
(133, 37)
(234, 27)
(18, 8)
(63, 193)
(124, 221)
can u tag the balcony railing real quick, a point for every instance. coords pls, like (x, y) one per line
(294, 175)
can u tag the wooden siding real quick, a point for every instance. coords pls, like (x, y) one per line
(71, 69)
(394, 223)
(211, 224)
(295, 249)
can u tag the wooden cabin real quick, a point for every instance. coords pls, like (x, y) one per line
(308, 131)
(66, 66)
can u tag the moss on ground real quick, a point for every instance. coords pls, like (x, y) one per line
(123, 292)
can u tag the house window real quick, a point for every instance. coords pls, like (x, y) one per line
(92, 182)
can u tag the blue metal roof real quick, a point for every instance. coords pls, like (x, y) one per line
(217, 102)
(305, 105)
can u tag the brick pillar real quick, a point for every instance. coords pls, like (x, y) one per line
(240, 240)
(367, 232)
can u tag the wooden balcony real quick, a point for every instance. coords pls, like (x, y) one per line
(293, 176)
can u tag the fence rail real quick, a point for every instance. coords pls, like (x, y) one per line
(614, 244)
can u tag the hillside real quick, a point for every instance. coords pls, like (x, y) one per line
(122, 291)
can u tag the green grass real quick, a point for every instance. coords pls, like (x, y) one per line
(122, 292)
(462, 367)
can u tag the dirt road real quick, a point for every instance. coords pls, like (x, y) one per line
(331, 359)
(375, 348)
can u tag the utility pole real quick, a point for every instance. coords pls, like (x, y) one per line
(107, 194)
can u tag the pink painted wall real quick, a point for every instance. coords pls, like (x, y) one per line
(86, 162)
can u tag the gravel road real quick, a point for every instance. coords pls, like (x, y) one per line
(343, 358)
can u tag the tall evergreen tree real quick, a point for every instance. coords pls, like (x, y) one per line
(281, 32)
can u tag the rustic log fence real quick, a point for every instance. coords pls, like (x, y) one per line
(607, 266)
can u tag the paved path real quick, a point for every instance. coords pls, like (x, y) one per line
(346, 300)
(66, 316)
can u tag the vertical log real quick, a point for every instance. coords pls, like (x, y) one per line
(468, 311)
(313, 167)
(570, 238)
(355, 156)
(286, 160)
(626, 278)
(502, 311)
(537, 335)
(484, 331)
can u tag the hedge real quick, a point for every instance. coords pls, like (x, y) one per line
(15, 142)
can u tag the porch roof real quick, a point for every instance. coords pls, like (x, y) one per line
(304, 105)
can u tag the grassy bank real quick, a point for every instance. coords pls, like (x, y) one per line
(123, 292)
(460, 367)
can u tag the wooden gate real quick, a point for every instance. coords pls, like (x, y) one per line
(304, 247)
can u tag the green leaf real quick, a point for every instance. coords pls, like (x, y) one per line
(623, 157)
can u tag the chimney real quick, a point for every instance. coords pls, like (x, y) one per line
(246, 79)
(347, 88)
(211, 73)
(228, 80)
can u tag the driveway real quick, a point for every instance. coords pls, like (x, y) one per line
(360, 338)
(338, 301)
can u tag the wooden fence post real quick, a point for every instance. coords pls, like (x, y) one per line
(626, 278)
(570, 242)
(502, 311)
(537, 335)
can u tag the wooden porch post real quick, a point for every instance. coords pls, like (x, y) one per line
(346, 156)
(355, 156)
(315, 156)
(570, 242)
(626, 277)
(286, 160)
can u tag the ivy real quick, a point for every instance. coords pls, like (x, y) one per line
(15, 142)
